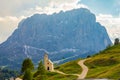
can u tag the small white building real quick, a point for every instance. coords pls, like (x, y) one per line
(12, 78)
(18, 79)
(48, 63)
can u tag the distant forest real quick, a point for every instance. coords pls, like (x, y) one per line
(6, 73)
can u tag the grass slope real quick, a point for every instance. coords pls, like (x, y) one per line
(71, 67)
(56, 76)
(105, 64)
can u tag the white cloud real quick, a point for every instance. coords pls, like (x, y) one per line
(10, 10)
(15, 7)
(53, 6)
(18, 7)
(7, 25)
(111, 23)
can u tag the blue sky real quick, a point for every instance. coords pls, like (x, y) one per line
(103, 6)
(12, 12)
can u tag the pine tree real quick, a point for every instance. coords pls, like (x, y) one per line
(27, 64)
(41, 72)
(116, 42)
(27, 75)
(41, 68)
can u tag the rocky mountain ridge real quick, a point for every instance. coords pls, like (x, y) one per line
(65, 35)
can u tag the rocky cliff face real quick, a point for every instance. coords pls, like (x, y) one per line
(66, 35)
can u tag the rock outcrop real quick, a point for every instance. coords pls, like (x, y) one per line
(65, 35)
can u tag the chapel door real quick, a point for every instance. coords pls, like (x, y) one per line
(48, 68)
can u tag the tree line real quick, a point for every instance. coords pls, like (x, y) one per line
(28, 73)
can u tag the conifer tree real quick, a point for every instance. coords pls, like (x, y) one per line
(41, 68)
(27, 64)
(41, 72)
(116, 41)
(27, 75)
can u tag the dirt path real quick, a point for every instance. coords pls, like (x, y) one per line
(65, 73)
(60, 72)
(18, 79)
(80, 76)
(84, 69)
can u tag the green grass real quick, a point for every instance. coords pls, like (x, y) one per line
(105, 64)
(70, 67)
(56, 76)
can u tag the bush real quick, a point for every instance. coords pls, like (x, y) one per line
(27, 75)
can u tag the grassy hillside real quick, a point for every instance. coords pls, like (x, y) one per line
(69, 68)
(57, 76)
(105, 64)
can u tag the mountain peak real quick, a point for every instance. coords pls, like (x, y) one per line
(70, 35)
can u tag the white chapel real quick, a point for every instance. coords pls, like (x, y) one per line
(48, 63)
